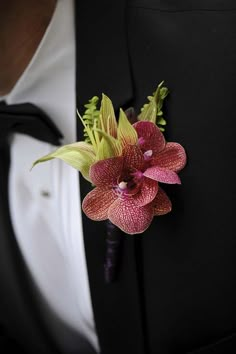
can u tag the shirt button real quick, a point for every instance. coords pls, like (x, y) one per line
(45, 194)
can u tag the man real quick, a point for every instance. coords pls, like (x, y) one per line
(175, 291)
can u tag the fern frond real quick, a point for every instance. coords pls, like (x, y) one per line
(91, 116)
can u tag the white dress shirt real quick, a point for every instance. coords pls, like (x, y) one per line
(45, 203)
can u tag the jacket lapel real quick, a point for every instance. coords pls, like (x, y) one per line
(103, 67)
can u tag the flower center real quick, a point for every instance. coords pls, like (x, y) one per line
(122, 185)
(147, 155)
(129, 183)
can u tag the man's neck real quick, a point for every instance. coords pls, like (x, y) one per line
(22, 26)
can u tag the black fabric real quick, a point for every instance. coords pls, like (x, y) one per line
(188, 256)
(177, 282)
(226, 345)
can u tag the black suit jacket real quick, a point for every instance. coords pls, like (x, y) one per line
(176, 291)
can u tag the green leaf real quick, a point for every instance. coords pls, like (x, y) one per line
(149, 112)
(107, 117)
(126, 132)
(152, 111)
(163, 92)
(79, 155)
(161, 121)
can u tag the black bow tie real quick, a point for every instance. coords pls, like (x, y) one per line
(27, 119)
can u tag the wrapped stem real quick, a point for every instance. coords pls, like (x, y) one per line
(113, 250)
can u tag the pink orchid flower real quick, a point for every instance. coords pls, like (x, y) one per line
(127, 188)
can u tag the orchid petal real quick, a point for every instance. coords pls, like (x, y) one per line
(104, 150)
(152, 137)
(172, 157)
(79, 155)
(108, 147)
(128, 217)
(97, 202)
(162, 175)
(162, 204)
(126, 132)
(106, 172)
(107, 117)
(133, 157)
(147, 193)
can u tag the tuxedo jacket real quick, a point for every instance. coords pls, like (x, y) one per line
(176, 287)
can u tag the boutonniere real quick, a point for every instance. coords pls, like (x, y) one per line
(125, 161)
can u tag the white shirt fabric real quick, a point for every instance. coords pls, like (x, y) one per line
(45, 203)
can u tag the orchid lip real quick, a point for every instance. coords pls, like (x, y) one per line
(138, 175)
(127, 188)
(121, 188)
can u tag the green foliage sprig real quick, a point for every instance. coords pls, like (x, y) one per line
(152, 111)
(91, 116)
